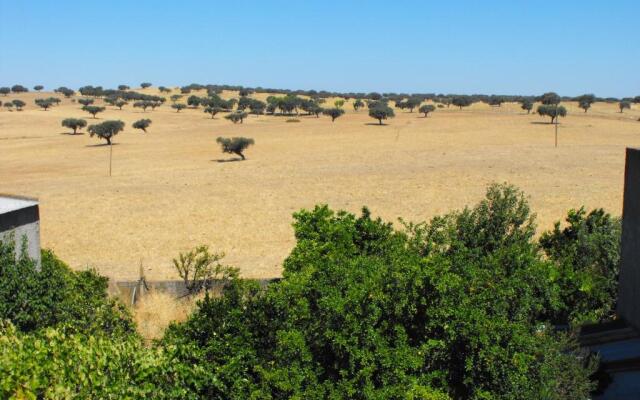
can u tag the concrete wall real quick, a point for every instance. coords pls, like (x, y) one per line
(22, 223)
(629, 283)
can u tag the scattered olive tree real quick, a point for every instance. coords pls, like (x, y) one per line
(357, 104)
(65, 91)
(145, 85)
(74, 123)
(381, 111)
(236, 145)
(339, 103)
(624, 104)
(93, 110)
(144, 104)
(462, 101)
(19, 89)
(164, 89)
(426, 109)
(19, 104)
(38, 88)
(585, 101)
(212, 110)
(552, 111)
(86, 101)
(175, 97)
(237, 116)
(142, 124)
(178, 106)
(550, 98)
(45, 104)
(123, 87)
(106, 130)
(8, 106)
(333, 113)
(5, 91)
(527, 105)
(120, 104)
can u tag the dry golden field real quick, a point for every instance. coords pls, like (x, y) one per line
(169, 192)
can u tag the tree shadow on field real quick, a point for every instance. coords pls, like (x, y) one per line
(101, 144)
(543, 123)
(72, 134)
(376, 124)
(226, 160)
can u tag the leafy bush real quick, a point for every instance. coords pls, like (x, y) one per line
(462, 101)
(527, 105)
(237, 116)
(86, 101)
(452, 307)
(624, 104)
(236, 145)
(587, 255)
(142, 124)
(56, 296)
(38, 88)
(199, 268)
(19, 104)
(74, 123)
(178, 106)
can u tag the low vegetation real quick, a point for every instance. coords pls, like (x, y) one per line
(459, 307)
(235, 145)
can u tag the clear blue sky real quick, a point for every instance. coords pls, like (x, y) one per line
(502, 47)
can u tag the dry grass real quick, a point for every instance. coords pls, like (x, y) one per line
(169, 193)
(156, 310)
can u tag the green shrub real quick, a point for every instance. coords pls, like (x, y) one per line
(55, 296)
(587, 255)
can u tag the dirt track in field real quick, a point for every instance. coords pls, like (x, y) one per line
(170, 190)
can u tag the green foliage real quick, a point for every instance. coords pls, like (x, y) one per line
(38, 88)
(212, 110)
(145, 85)
(19, 104)
(178, 106)
(237, 116)
(453, 307)
(426, 109)
(552, 111)
(5, 90)
(120, 104)
(527, 105)
(123, 87)
(65, 91)
(339, 103)
(462, 101)
(142, 124)
(585, 101)
(56, 296)
(199, 268)
(587, 256)
(86, 101)
(380, 111)
(8, 106)
(19, 89)
(236, 145)
(144, 104)
(550, 98)
(175, 97)
(93, 110)
(106, 130)
(333, 113)
(357, 104)
(164, 89)
(45, 104)
(74, 123)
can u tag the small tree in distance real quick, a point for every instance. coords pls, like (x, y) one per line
(235, 145)
(212, 110)
(358, 103)
(120, 104)
(123, 87)
(9, 106)
(338, 103)
(85, 102)
(145, 85)
(142, 124)
(426, 109)
(45, 104)
(5, 91)
(93, 110)
(461, 101)
(175, 97)
(552, 111)
(38, 88)
(585, 101)
(106, 130)
(19, 104)
(381, 111)
(236, 117)
(74, 123)
(527, 105)
(19, 89)
(624, 104)
(333, 113)
(178, 106)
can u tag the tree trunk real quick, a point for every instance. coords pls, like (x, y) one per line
(74, 130)
(380, 121)
(108, 140)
